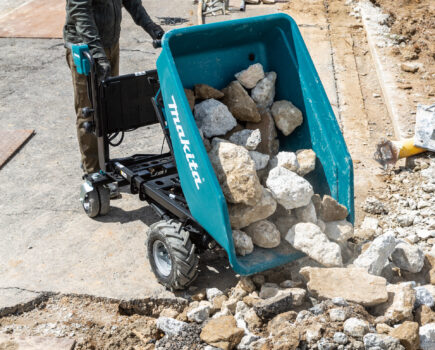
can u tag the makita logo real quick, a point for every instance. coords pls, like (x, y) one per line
(186, 143)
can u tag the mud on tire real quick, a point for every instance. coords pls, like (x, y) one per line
(172, 255)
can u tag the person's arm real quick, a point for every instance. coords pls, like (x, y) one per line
(82, 14)
(141, 18)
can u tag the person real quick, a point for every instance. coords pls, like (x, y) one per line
(97, 23)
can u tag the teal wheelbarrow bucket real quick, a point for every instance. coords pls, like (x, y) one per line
(211, 54)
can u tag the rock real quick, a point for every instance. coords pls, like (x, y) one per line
(247, 138)
(269, 143)
(308, 238)
(408, 257)
(264, 234)
(278, 323)
(212, 293)
(339, 301)
(170, 326)
(285, 223)
(247, 340)
(340, 338)
(205, 92)
(405, 220)
(400, 303)
(298, 295)
(286, 160)
(286, 339)
(236, 173)
(373, 341)
(190, 98)
(251, 299)
(287, 116)
(375, 257)
(169, 312)
(252, 320)
(269, 290)
(423, 297)
(321, 224)
(218, 301)
(269, 308)
(427, 336)
(264, 92)
(289, 189)
(383, 328)
(259, 280)
(242, 215)
(199, 314)
(306, 160)
(339, 231)
(424, 315)
(213, 118)
(407, 333)
(337, 314)
(199, 296)
(242, 243)
(247, 284)
(373, 205)
(331, 210)
(261, 160)
(250, 76)
(222, 333)
(356, 327)
(410, 67)
(313, 332)
(240, 104)
(354, 285)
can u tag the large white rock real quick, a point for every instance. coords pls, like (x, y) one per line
(236, 173)
(247, 138)
(264, 234)
(261, 160)
(287, 116)
(306, 160)
(242, 215)
(374, 341)
(289, 189)
(201, 313)
(339, 231)
(308, 238)
(213, 118)
(427, 336)
(242, 243)
(264, 92)
(286, 160)
(171, 326)
(375, 257)
(408, 257)
(356, 327)
(250, 76)
(307, 213)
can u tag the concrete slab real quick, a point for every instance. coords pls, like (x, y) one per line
(13, 300)
(34, 19)
(11, 141)
(10, 342)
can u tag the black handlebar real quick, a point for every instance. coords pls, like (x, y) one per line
(157, 43)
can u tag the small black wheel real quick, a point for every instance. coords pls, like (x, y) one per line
(172, 255)
(104, 194)
(91, 204)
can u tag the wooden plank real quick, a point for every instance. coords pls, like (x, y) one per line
(11, 142)
(35, 19)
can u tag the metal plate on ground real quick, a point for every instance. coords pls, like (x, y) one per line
(11, 142)
(34, 19)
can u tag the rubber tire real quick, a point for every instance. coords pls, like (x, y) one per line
(184, 268)
(104, 194)
(94, 204)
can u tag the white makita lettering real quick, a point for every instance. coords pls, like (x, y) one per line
(190, 157)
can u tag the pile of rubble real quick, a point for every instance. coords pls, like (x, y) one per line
(270, 203)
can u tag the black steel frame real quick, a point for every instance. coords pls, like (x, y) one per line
(154, 177)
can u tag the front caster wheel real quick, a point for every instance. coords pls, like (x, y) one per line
(95, 201)
(172, 255)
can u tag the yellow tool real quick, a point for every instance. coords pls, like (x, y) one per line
(389, 152)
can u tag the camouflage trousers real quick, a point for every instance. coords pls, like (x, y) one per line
(88, 142)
